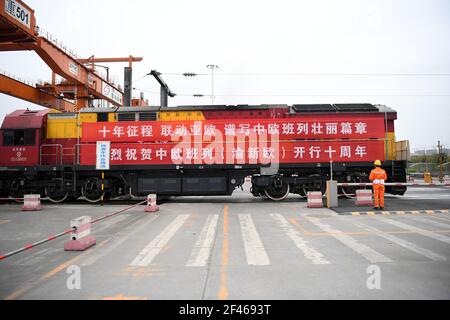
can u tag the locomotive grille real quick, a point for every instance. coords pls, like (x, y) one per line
(147, 116)
(126, 117)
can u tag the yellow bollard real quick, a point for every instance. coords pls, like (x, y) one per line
(427, 177)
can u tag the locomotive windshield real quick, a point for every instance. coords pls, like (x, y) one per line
(24, 137)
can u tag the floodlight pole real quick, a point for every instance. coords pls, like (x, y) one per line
(212, 67)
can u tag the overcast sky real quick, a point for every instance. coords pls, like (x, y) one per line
(266, 37)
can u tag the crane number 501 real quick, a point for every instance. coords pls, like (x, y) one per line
(16, 10)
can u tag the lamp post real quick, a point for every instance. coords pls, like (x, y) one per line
(212, 67)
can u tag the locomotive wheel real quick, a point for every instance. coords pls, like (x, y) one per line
(91, 191)
(56, 196)
(278, 193)
(16, 192)
(91, 196)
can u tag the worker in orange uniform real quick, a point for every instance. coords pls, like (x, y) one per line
(378, 176)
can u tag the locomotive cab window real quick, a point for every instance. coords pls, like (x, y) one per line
(26, 137)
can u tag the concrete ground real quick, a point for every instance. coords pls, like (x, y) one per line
(235, 247)
(417, 198)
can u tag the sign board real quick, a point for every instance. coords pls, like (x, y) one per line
(73, 68)
(253, 129)
(18, 12)
(266, 152)
(103, 155)
(112, 93)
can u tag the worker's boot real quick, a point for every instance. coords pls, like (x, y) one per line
(382, 208)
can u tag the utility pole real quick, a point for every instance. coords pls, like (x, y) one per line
(212, 67)
(441, 162)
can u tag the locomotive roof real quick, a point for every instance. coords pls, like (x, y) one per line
(25, 119)
(295, 108)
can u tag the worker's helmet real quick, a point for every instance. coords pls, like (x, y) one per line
(377, 163)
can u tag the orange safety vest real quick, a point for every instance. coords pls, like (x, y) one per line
(378, 176)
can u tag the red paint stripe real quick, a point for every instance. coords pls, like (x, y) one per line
(2, 257)
(51, 238)
(28, 246)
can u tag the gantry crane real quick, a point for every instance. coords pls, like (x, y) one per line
(81, 82)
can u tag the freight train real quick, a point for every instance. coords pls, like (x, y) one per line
(195, 150)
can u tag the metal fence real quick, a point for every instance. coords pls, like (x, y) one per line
(417, 169)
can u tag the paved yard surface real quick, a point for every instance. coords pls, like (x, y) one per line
(234, 247)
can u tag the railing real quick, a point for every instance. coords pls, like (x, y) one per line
(76, 159)
(57, 147)
(61, 46)
(394, 184)
(433, 168)
(52, 39)
(66, 154)
(31, 83)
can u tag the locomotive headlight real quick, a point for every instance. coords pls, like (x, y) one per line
(233, 181)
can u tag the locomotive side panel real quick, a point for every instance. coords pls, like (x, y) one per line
(146, 158)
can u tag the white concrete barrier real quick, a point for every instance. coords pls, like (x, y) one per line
(315, 199)
(80, 237)
(151, 204)
(32, 202)
(364, 197)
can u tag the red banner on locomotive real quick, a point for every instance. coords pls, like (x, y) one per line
(239, 153)
(283, 129)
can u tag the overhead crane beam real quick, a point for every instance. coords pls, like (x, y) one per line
(17, 22)
(18, 89)
(129, 59)
(69, 68)
(128, 74)
(19, 32)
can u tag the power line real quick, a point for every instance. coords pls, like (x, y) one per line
(317, 95)
(141, 78)
(200, 95)
(145, 90)
(193, 74)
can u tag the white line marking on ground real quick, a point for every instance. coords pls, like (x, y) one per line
(420, 231)
(146, 256)
(403, 243)
(365, 251)
(428, 220)
(254, 249)
(202, 249)
(135, 227)
(309, 253)
(441, 218)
